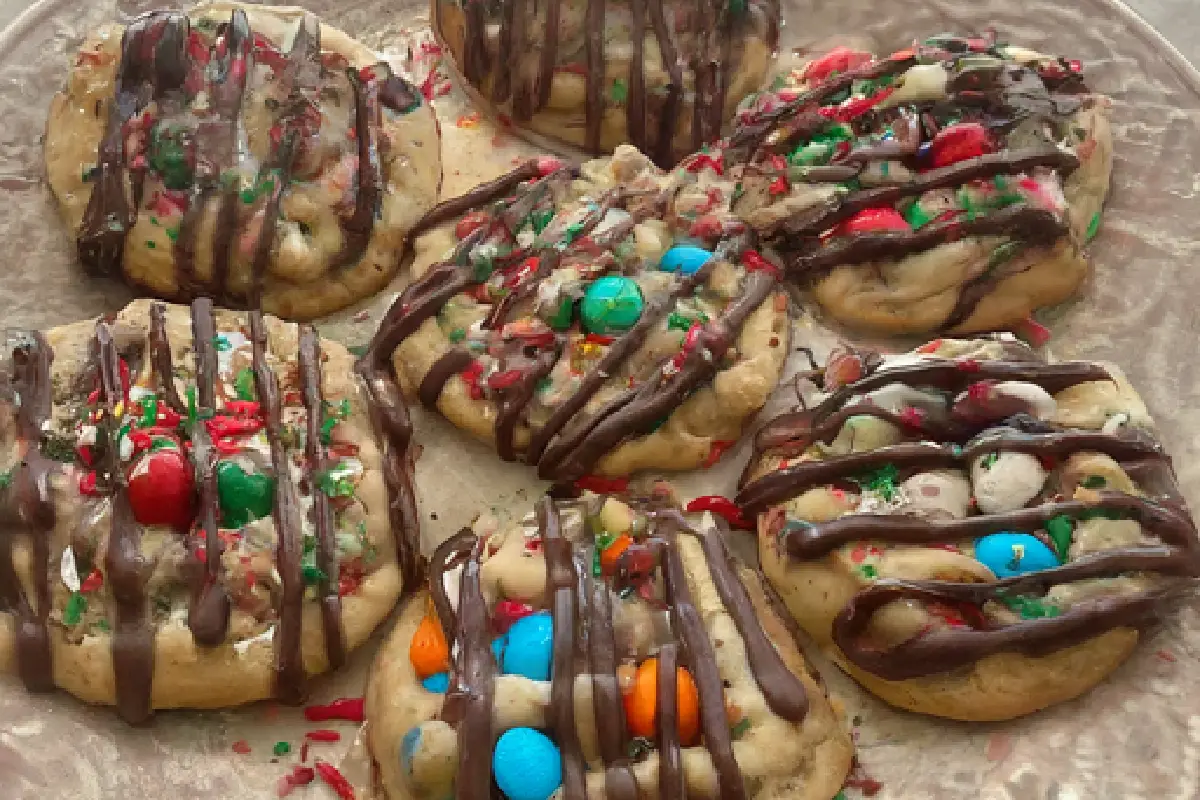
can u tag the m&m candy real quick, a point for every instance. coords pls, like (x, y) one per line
(611, 304)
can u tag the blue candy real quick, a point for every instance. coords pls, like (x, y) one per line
(526, 765)
(408, 748)
(438, 683)
(527, 650)
(611, 304)
(1011, 554)
(684, 258)
(498, 645)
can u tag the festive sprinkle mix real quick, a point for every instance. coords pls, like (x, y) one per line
(346, 708)
(281, 748)
(881, 481)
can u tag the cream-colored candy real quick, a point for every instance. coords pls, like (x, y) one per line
(942, 494)
(922, 83)
(864, 432)
(1008, 483)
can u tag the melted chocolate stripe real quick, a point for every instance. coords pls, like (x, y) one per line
(635, 104)
(950, 649)
(713, 720)
(549, 52)
(26, 508)
(783, 691)
(671, 783)
(674, 100)
(594, 101)
(290, 677)
(475, 684)
(716, 110)
(448, 555)
(449, 364)
(125, 568)
(1022, 222)
(502, 82)
(562, 581)
(317, 460)
(816, 541)
(619, 783)
(160, 358)
(515, 399)
(369, 190)
(210, 605)
(985, 166)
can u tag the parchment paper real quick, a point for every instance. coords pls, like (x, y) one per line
(1136, 736)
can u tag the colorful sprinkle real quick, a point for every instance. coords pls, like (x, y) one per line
(346, 708)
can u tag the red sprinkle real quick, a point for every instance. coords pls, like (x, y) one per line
(1033, 332)
(243, 408)
(778, 187)
(347, 708)
(241, 746)
(304, 752)
(702, 160)
(912, 417)
(868, 786)
(300, 776)
(547, 165)
(600, 485)
(598, 338)
(140, 440)
(323, 735)
(754, 262)
(722, 507)
(1166, 655)
(839, 59)
(929, 347)
(716, 450)
(503, 380)
(336, 781)
(507, 612)
(92, 582)
(968, 365)
(471, 375)
(87, 485)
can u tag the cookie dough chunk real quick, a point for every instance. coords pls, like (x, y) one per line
(664, 76)
(600, 647)
(194, 509)
(246, 153)
(970, 531)
(605, 321)
(947, 187)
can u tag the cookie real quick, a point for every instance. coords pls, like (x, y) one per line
(663, 76)
(196, 511)
(947, 187)
(245, 153)
(604, 322)
(599, 647)
(969, 530)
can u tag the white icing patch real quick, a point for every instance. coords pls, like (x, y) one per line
(245, 644)
(526, 238)
(1115, 422)
(68, 570)
(903, 360)
(139, 393)
(87, 436)
(236, 341)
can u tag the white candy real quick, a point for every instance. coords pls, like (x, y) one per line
(1011, 481)
(68, 570)
(895, 397)
(1042, 403)
(922, 83)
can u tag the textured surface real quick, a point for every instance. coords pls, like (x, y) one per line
(1136, 736)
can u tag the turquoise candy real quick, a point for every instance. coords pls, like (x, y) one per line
(498, 645)
(611, 304)
(1011, 554)
(527, 651)
(526, 765)
(684, 258)
(437, 683)
(408, 748)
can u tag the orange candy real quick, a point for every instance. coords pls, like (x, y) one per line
(428, 651)
(608, 558)
(641, 704)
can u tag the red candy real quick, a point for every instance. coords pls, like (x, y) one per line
(547, 165)
(839, 59)
(873, 220)
(960, 142)
(507, 612)
(162, 489)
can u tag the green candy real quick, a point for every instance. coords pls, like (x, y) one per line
(563, 316)
(243, 498)
(611, 304)
(168, 155)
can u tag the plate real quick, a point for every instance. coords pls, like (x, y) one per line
(1136, 736)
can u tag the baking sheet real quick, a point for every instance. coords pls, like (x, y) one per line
(1136, 736)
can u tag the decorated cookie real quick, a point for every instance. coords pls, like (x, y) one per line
(969, 530)
(947, 187)
(660, 667)
(196, 511)
(245, 153)
(606, 321)
(663, 76)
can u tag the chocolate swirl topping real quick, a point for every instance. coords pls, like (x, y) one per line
(709, 56)
(581, 609)
(166, 67)
(27, 508)
(570, 442)
(1175, 556)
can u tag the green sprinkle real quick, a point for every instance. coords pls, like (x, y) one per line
(989, 460)
(596, 563)
(281, 748)
(917, 217)
(243, 384)
(679, 322)
(162, 443)
(75, 608)
(737, 731)
(1030, 607)
(840, 796)
(604, 541)
(312, 574)
(540, 218)
(868, 571)
(882, 481)
(89, 174)
(1060, 528)
(167, 154)
(544, 385)
(191, 401)
(358, 350)
(1000, 182)
(221, 343)
(1094, 482)
(620, 92)
(151, 245)
(149, 411)
(6, 479)
(154, 220)
(852, 185)
(102, 625)
(173, 234)
(1093, 227)
(563, 316)
(457, 335)
(335, 487)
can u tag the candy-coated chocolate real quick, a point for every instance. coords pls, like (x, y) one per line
(641, 703)
(161, 489)
(437, 683)
(960, 142)
(874, 220)
(244, 497)
(684, 258)
(1011, 554)
(428, 651)
(611, 304)
(526, 765)
(527, 647)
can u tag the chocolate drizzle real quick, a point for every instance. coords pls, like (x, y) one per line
(583, 635)
(711, 63)
(569, 443)
(1177, 555)
(159, 68)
